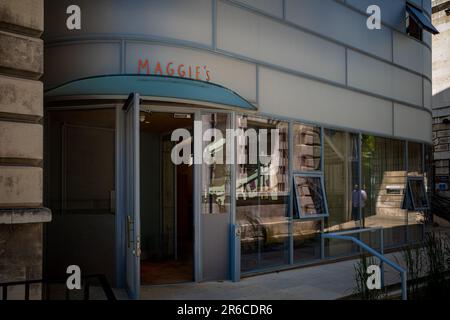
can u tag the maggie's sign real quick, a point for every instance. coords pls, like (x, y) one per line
(155, 67)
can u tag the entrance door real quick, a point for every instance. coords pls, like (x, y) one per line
(131, 193)
(166, 200)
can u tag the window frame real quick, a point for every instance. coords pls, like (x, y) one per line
(411, 195)
(298, 214)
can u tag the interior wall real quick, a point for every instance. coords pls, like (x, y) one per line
(150, 170)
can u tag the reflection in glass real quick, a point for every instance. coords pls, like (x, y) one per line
(216, 171)
(310, 196)
(262, 193)
(342, 180)
(416, 171)
(306, 148)
(306, 240)
(80, 190)
(415, 158)
(383, 170)
(344, 196)
(81, 179)
(418, 195)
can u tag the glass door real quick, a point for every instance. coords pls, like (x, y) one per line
(131, 195)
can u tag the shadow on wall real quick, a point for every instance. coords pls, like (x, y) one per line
(441, 99)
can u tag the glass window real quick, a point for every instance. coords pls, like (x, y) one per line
(415, 158)
(310, 197)
(344, 195)
(216, 171)
(428, 172)
(80, 176)
(413, 29)
(416, 218)
(384, 182)
(342, 180)
(307, 144)
(81, 161)
(306, 236)
(262, 192)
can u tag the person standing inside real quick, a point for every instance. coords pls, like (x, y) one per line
(359, 197)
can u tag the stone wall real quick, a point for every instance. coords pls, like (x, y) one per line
(441, 97)
(21, 143)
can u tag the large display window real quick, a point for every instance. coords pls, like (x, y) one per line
(345, 197)
(262, 192)
(384, 180)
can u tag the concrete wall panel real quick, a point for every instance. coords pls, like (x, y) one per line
(339, 22)
(384, 79)
(188, 20)
(412, 123)
(254, 36)
(273, 7)
(70, 62)
(392, 11)
(427, 95)
(411, 54)
(300, 98)
(426, 5)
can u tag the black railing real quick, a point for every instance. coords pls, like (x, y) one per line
(86, 281)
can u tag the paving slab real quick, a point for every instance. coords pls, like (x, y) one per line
(324, 282)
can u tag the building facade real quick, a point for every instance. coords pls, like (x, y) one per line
(351, 106)
(441, 99)
(22, 214)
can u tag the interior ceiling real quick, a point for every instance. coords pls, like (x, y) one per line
(162, 122)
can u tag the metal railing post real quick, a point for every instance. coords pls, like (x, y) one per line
(236, 253)
(382, 252)
(404, 286)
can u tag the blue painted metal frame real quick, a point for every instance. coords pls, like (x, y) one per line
(408, 185)
(296, 196)
(377, 254)
(421, 19)
(152, 86)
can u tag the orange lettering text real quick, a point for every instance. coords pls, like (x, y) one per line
(142, 65)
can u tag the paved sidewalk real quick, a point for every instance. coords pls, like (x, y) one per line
(325, 282)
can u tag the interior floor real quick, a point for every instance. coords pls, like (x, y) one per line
(165, 272)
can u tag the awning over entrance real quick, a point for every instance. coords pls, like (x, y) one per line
(152, 86)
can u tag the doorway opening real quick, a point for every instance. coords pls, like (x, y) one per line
(166, 202)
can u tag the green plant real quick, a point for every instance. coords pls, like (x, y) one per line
(361, 290)
(437, 250)
(413, 257)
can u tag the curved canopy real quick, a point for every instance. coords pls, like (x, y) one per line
(152, 86)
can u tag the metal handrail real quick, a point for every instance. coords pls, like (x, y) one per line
(86, 281)
(377, 254)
